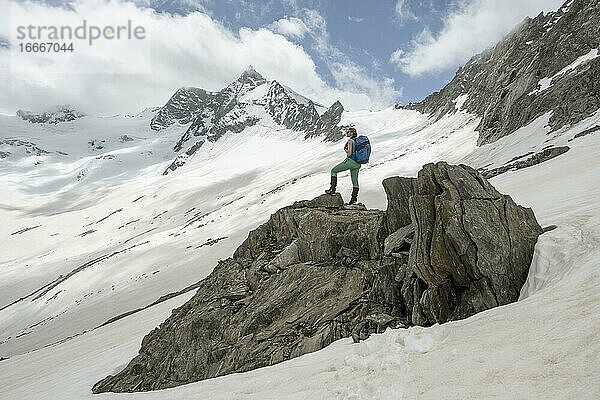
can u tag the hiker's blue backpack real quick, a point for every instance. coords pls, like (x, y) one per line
(362, 150)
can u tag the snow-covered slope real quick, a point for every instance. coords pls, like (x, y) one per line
(99, 231)
(161, 242)
(92, 230)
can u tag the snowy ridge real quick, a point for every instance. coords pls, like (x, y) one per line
(177, 215)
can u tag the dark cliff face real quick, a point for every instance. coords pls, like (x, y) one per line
(507, 86)
(448, 246)
(181, 108)
(328, 124)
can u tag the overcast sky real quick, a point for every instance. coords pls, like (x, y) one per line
(368, 54)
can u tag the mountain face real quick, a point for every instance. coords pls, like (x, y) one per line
(448, 246)
(246, 102)
(182, 108)
(59, 114)
(547, 64)
(219, 105)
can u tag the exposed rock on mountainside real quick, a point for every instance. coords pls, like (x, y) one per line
(535, 159)
(8, 146)
(548, 63)
(448, 246)
(327, 124)
(212, 114)
(246, 102)
(59, 114)
(182, 107)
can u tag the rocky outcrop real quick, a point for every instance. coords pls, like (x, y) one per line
(448, 246)
(287, 290)
(182, 108)
(472, 246)
(548, 63)
(398, 190)
(535, 159)
(58, 114)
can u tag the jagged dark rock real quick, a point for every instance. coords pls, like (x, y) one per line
(398, 190)
(503, 83)
(328, 124)
(399, 240)
(183, 107)
(327, 201)
(317, 272)
(27, 146)
(472, 246)
(224, 110)
(58, 114)
(535, 159)
(285, 292)
(287, 112)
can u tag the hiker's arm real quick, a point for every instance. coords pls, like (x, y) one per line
(349, 148)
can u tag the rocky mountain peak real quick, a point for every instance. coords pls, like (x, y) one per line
(251, 73)
(276, 89)
(182, 107)
(243, 103)
(247, 81)
(547, 64)
(336, 106)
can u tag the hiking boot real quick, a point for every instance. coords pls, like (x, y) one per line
(354, 196)
(332, 186)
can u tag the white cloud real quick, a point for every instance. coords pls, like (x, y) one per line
(191, 50)
(292, 27)
(355, 79)
(355, 19)
(175, 5)
(476, 25)
(403, 12)
(397, 56)
(349, 76)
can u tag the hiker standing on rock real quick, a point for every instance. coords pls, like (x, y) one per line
(358, 150)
